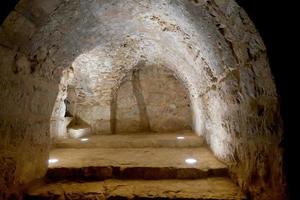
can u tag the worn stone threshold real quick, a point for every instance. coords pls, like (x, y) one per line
(210, 188)
(134, 163)
(147, 173)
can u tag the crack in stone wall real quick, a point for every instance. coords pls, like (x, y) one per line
(113, 110)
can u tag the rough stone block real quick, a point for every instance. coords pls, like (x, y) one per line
(18, 29)
(79, 131)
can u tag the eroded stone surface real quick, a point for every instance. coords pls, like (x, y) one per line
(212, 188)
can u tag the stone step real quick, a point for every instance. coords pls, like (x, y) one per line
(134, 163)
(204, 189)
(182, 139)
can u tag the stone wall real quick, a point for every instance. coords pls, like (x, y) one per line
(152, 99)
(210, 45)
(149, 99)
(26, 104)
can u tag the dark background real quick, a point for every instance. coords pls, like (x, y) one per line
(274, 21)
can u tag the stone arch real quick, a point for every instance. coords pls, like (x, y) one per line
(138, 84)
(213, 43)
(104, 80)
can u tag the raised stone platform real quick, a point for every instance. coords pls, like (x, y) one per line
(140, 140)
(79, 131)
(203, 189)
(134, 163)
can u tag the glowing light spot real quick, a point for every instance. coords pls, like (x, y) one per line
(84, 139)
(190, 161)
(180, 138)
(53, 160)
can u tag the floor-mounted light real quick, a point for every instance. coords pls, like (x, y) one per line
(190, 161)
(180, 138)
(52, 160)
(84, 139)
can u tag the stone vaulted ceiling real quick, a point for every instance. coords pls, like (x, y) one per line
(82, 49)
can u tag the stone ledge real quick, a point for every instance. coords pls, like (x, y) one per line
(211, 188)
(133, 163)
(137, 140)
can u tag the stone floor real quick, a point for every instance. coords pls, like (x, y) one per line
(142, 140)
(139, 166)
(209, 188)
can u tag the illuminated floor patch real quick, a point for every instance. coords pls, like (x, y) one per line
(53, 160)
(190, 161)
